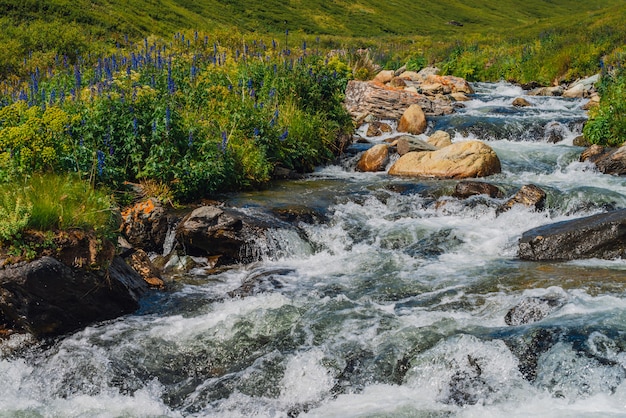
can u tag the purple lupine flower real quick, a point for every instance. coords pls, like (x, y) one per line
(168, 118)
(111, 151)
(257, 132)
(135, 127)
(154, 127)
(224, 141)
(272, 93)
(273, 44)
(100, 156)
(284, 134)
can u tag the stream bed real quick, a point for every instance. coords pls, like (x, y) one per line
(395, 300)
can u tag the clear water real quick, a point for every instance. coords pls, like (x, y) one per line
(394, 307)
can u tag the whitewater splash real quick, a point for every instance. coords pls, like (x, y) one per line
(395, 304)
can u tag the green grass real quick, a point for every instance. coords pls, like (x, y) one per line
(54, 202)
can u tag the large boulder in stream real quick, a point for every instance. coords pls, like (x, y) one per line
(227, 235)
(46, 297)
(597, 236)
(413, 120)
(459, 160)
(607, 160)
(374, 159)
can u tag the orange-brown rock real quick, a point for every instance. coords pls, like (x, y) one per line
(455, 84)
(521, 102)
(440, 139)
(384, 76)
(145, 225)
(140, 262)
(413, 120)
(374, 159)
(459, 160)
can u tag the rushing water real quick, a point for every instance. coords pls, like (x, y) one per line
(394, 306)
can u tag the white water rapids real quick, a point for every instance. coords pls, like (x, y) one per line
(394, 306)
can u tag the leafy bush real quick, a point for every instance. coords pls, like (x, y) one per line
(607, 122)
(15, 212)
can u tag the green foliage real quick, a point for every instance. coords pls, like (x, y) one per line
(607, 122)
(15, 212)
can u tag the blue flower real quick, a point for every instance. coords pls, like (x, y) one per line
(284, 134)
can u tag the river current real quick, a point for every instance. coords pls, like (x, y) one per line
(394, 303)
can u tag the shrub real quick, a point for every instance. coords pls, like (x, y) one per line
(15, 212)
(607, 122)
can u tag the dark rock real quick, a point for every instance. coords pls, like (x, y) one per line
(145, 225)
(455, 23)
(467, 386)
(225, 233)
(295, 214)
(48, 298)
(528, 348)
(139, 261)
(465, 189)
(282, 173)
(597, 236)
(555, 132)
(264, 281)
(608, 160)
(532, 309)
(529, 195)
(581, 141)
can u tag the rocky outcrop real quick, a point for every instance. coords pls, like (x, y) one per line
(374, 159)
(529, 195)
(410, 143)
(465, 189)
(547, 91)
(582, 88)
(460, 160)
(533, 309)
(47, 297)
(145, 225)
(365, 98)
(597, 236)
(413, 120)
(607, 160)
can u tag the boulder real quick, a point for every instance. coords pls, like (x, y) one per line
(410, 75)
(413, 120)
(521, 102)
(575, 92)
(139, 261)
(465, 189)
(529, 195)
(377, 128)
(47, 298)
(533, 309)
(582, 88)
(440, 139)
(410, 143)
(546, 91)
(450, 83)
(554, 132)
(459, 160)
(597, 236)
(145, 225)
(427, 71)
(225, 234)
(384, 76)
(369, 98)
(607, 160)
(581, 141)
(374, 159)
(459, 97)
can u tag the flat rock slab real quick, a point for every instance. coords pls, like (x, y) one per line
(597, 236)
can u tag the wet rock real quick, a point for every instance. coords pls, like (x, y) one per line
(521, 102)
(409, 143)
(413, 120)
(597, 236)
(465, 189)
(528, 349)
(555, 132)
(607, 160)
(368, 98)
(295, 214)
(459, 97)
(374, 159)
(145, 225)
(450, 83)
(529, 195)
(264, 281)
(47, 297)
(581, 141)
(546, 91)
(283, 173)
(139, 261)
(460, 160)
(594, 101)
(225, 233)
(377, 128)
(439, 139)
(532, 309)
(467, 386)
